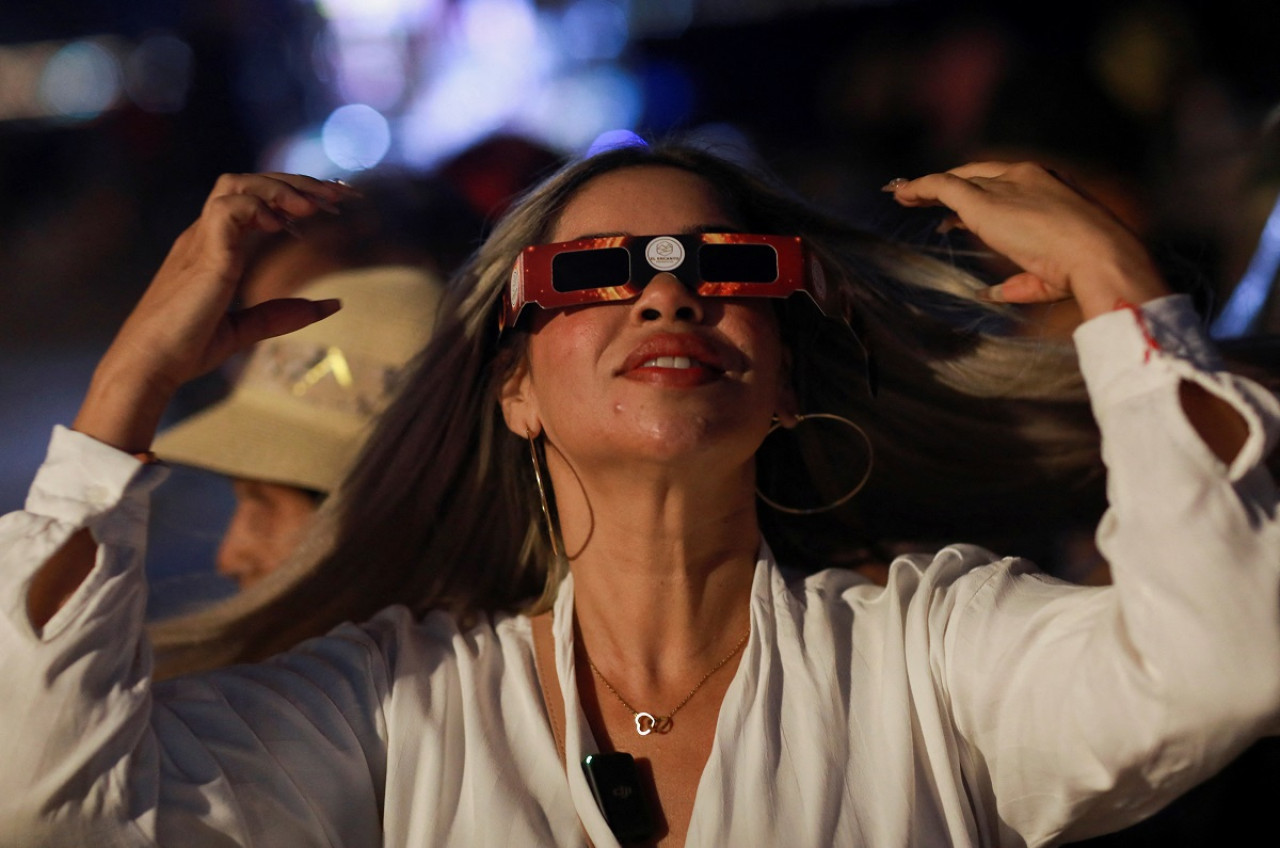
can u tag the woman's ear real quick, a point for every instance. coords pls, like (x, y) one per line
(519, 401)
(786, 412)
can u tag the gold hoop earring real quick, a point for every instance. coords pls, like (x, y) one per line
(542, 493)
(800, 419)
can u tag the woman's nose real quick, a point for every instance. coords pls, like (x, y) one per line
(666, 297)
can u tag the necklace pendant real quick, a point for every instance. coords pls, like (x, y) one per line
(645, 723)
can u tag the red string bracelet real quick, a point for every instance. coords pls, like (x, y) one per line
(1138, 316)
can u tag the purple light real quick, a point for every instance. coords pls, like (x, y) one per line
(612, 139)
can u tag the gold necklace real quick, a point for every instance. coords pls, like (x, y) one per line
(647, 723)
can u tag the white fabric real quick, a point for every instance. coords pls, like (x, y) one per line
(972, 701)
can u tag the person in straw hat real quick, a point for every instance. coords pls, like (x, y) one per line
(301, 407)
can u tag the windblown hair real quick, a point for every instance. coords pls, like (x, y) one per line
(975, 430)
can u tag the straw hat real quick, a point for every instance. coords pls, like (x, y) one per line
(303, 405)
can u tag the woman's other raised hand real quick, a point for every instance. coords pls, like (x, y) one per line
(1067, 244)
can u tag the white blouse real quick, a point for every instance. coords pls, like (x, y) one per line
(971, 701)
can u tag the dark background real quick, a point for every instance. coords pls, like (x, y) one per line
(1166, 110)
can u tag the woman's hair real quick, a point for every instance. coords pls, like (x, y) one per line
(975, 430)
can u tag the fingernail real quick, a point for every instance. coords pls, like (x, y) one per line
(894, 184)
(991, 294)
(328, 306)
(947, 225)
(326, 205)
(347, 187)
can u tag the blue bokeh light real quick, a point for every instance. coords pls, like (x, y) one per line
(80, 81)
(594, 30)
(442, 75)
(574, 109)
(1240, 315)
(356, 137)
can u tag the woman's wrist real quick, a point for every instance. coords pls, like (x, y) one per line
(1123, 282)
(122, 411)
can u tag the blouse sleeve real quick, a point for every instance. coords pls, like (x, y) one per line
(287, 753)
(1085, 709)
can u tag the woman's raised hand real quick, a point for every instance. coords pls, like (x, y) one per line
(181, 327)
(1066, 244)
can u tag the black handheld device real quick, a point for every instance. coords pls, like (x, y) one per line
(616, 786)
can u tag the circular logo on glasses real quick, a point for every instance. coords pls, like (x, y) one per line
(664, 253)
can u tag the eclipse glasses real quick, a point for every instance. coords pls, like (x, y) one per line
(617, 268)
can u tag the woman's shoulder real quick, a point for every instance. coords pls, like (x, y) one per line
(948, 575)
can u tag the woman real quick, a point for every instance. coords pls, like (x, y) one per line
(970, 700)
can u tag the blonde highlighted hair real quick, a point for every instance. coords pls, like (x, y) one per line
(971, 425)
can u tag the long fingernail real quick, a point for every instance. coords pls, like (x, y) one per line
(324, 204)
(328, 306)
(895, 184)
(347, 187)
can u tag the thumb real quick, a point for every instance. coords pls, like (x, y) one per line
(1023, 288)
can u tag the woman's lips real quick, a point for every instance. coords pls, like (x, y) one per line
(676, 360)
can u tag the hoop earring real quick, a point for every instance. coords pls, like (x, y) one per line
(793, 510)
(542, 493)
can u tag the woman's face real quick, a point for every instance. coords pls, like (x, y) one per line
(667, 376)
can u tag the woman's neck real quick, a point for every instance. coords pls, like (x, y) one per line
(662, 568)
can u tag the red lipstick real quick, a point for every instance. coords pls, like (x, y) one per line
(675, 359)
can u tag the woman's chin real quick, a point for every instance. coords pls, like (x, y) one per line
(688, 443)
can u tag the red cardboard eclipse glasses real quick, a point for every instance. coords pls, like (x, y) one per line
(617, 268)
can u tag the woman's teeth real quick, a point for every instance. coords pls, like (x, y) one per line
(669, 362)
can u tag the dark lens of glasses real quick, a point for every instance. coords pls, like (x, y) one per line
(590, 269)
(737, 263)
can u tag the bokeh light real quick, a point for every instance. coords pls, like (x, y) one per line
(570, 112)
(378, 16)
(445, 76)
(302, 153)
(80, 81)
(614, 139)
(1240, 315)
(498, 30)
(157, 74)
(594, 30)
(356, 137)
